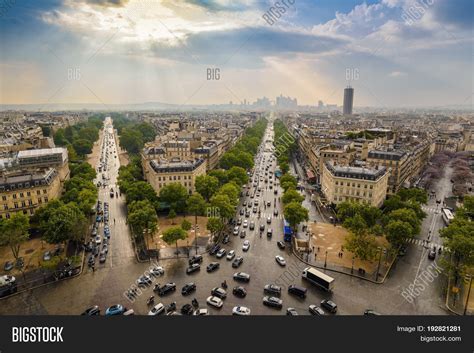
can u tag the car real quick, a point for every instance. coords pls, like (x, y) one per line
(275, 212)
(262, 227)
(244, 203)
(370, 312)
(187, 309)
(188, 288)
(230, 255)
(47, 256)
(116, 309)
(273, 302)
(242, 212)
(144, 280)
(269, 232)
(219, 292)
(281, 245)
(201, 312)
(272, 289)
(92, 311)
(212, 267)
(243, 234)
(158, 309)
(280, 260)
(275, 192)
(103, 258)
(237, 261)
(193, 268)
(215, 301)
(291, 312)
(214, 249)
(247, 214)
(241, 311)
(220, 254)
(98, 240)
(166, 288)
(157, 271)
(246, 245)
(252, 225)
(239, 292)
(196, 259)
(246, 224)
(226, 239)
(255, 203)
(254, 210)
(432, 254)
(239, 221)
(329, 305)
(269, 203)
(315, 310)
(236, 230)
(8, 266)
(241, 276)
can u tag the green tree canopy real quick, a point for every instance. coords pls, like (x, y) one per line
(142, 217)
(206, 185)
(295, 214)
(291, 195)
(237, 175)
(175, 195)
(14, 232)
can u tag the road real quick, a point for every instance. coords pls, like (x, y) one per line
(107, 284)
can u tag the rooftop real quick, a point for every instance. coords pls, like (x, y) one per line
(356, 172)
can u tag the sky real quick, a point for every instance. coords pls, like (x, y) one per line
(395, 53)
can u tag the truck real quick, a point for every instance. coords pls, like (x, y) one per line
(318, 278)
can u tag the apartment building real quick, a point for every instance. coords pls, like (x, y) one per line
(358, 184)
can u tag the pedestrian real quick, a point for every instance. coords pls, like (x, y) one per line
(318, 248)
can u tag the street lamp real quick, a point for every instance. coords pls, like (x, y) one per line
(378, 266)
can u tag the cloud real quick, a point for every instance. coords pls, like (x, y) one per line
(106, 3)
(397, 74)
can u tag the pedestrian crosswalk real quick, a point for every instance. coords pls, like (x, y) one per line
(423, 242)
(430, 209)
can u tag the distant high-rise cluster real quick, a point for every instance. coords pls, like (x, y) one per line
(348, 100)
(286, 102)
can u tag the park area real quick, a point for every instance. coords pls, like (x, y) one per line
(327, 237)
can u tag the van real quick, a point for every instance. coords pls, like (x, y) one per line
(298, 291)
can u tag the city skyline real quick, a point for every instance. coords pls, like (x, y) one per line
(133, 52)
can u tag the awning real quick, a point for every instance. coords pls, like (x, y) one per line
(309, 174)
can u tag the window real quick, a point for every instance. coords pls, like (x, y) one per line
(30, 202)
(14, 196)
(21, 194)
(46, 199)
(38, 192)
(44, 191)
(28, 194)
(5, 207)
(4, 198)
(16, 204)
(23, 204)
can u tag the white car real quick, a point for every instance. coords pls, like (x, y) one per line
(230, 255)
(246, 245)
(236, 231)
(215, 301)
(98, 239)
(241, 311)
(157, 310)
(280, 260)
(246, 224)
(157, 271)
(201, 312)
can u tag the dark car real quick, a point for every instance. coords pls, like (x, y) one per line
(281, 245)
(298, 291)
(262, 227)
(237, 261)
(269, 232)
(8, 266)
(196, 259)
(187, 309)
(193, 268)
(329, 305)
(432, 254)
(92, 311)
(167, 288)
(212, 266)
(188, 288)
(243, 234)
(214, 249)
(226, 239)
(239, 292)
(273, 302)
(241, 212)
(219, 292)
(241, 276)
(272, 289)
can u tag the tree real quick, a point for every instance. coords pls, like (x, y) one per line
(14, 232)
(206, 185)
(232, 191)
(356, 225)
(215, 225)
(347, 209)
(288, 181)
(222, 203)
(408, 216)
(131, 140)
(295, 214)
(415, 194)
(142, 217)
(291, 195)
(82, 146)
(84, 170)
(140, 190)
(64, 222)
(172, 215)
(89, 133)
(46, 130)
(186, 225)
(175, 195)
(362, 245)
(398, 231)
(237, 175)
(147, 131)
(220, 174)
(59, 138)
(173, 234)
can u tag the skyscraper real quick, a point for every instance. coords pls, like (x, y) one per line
(348, 100)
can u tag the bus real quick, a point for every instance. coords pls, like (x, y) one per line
(318, 278)
(447, 215)
(286, 231)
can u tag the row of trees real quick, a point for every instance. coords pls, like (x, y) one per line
(399, 219)
(133, 135)
(285, 145)
(79, 139)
